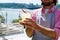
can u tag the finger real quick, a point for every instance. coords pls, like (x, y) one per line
(28, 19)
(22, 23)
(25, 24)
(28, 25)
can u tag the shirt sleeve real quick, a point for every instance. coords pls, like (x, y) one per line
(57, 27)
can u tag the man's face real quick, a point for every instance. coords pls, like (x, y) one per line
(47, 2)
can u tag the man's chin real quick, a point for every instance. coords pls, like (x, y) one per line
(47, 4)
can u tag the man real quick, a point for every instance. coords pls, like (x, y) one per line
(45, 23)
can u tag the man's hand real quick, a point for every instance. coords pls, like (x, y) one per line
(30, 26)
(29, 23)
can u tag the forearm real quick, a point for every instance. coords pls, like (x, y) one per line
(46, 31)
(29, 32)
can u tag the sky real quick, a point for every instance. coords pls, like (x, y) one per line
(23, 1)
(20, 1)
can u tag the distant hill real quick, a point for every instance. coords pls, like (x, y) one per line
(19, 5)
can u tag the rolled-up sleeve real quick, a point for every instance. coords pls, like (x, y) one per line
(57, 30)
(57, 27)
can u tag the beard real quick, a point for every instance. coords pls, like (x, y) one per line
(46, 3)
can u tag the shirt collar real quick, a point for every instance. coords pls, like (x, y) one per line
(50, 10)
